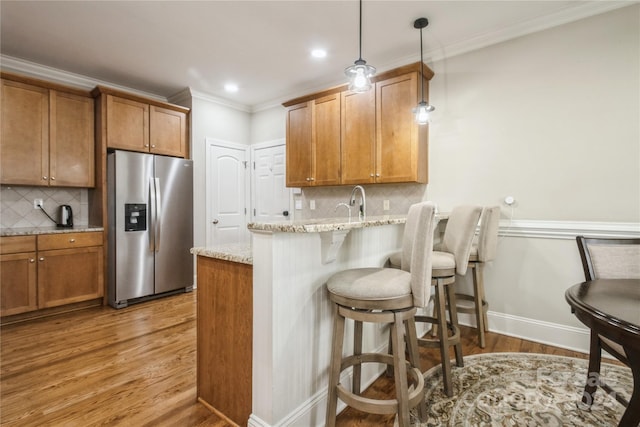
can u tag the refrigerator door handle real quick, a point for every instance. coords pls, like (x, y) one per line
(152, 214)
(158, 221)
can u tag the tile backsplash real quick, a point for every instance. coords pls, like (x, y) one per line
(400, 197)
(16, 205)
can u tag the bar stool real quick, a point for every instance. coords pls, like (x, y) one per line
(482, 251)
(384, 295)
(451, 259)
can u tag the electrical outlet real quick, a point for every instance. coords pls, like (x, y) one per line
(37, 203)
(385, 205)
(312, 205)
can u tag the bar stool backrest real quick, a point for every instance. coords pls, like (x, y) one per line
(417, 246)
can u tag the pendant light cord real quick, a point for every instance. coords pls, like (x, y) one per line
(360, 34)
(421, 67)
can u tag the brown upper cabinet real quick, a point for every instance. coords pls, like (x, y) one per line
(313, 142)
(132, 123)
(47, 134)
(378, 139)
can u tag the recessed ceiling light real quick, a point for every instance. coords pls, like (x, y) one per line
(231, 87)
(319, 53)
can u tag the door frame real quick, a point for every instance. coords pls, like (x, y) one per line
(260, 146)
(209, 144)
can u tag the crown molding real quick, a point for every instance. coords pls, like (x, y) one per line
(43, 72)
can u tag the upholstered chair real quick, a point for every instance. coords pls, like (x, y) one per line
(483, 250)
(450, 260)
(384, 295)
(604, 258)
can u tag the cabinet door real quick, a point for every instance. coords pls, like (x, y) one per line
(326, 141)
(18, 283)
(299, 145)
(358, 137)
(401, 148)
(127, 124)
(71, 145)
(69, 275)
(167, 131)
(25, 134)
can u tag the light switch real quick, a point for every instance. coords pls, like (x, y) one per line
(385, 205)
(312, 205)
(298, 205)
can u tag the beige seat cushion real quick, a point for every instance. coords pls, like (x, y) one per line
(370, 283)
(443, 260)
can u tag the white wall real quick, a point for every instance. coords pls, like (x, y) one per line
(550, 118)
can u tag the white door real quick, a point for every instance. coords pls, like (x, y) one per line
(226, 193)
(271, 197)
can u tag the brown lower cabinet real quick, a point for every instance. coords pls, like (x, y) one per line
(225, 324)
(49, 270)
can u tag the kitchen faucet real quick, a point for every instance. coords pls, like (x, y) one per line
(363, 201)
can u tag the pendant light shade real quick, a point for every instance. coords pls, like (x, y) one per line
(423, 110)
(360, 73)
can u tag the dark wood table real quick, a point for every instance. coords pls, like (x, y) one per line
(611, 307)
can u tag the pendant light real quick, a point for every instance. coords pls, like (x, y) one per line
(423, 110)
(360, 73)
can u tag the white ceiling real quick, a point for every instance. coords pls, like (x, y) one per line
(163, 47)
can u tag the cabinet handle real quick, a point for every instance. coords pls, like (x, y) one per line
(371, 175)
(146, 145)
(312, 179)
(308, 179)
(44, 177)
(153, 145)
(32, 260)
(72, 240)
(378, 175)
(41, 258)
(53, 178)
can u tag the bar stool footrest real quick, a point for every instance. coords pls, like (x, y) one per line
(466, 308)
(380, 406)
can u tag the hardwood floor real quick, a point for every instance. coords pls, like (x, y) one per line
(131, 367)
(137, 367)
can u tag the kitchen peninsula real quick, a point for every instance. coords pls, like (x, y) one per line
(285, 268)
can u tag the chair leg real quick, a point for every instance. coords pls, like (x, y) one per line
(453, 314)
(400, 369)
(334, 367)
(477, 301)
(357, 350)
(440, 308)
(593, 373)
(414, 358)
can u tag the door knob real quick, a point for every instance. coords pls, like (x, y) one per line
(285, 213)
(215, 221)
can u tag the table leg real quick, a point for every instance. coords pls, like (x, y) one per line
(631, 416)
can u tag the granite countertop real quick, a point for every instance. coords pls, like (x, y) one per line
(29, 231)
(235, 252)
(326, 224)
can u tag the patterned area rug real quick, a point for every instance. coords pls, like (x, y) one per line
(523, 389)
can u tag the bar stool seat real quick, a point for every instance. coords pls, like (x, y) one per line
(383, 295)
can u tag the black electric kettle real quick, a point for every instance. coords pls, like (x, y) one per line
(66, 216)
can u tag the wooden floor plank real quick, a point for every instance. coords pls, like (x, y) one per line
(137, 367)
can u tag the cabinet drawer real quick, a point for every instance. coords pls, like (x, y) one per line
(68, 240)
(17, 244)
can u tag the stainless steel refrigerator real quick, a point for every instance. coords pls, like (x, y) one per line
(150, 209)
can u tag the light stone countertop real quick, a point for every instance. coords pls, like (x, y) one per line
(325, 224)
(235, 252)
(31, 231)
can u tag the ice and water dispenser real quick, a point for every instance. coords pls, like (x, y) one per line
(135, 217)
